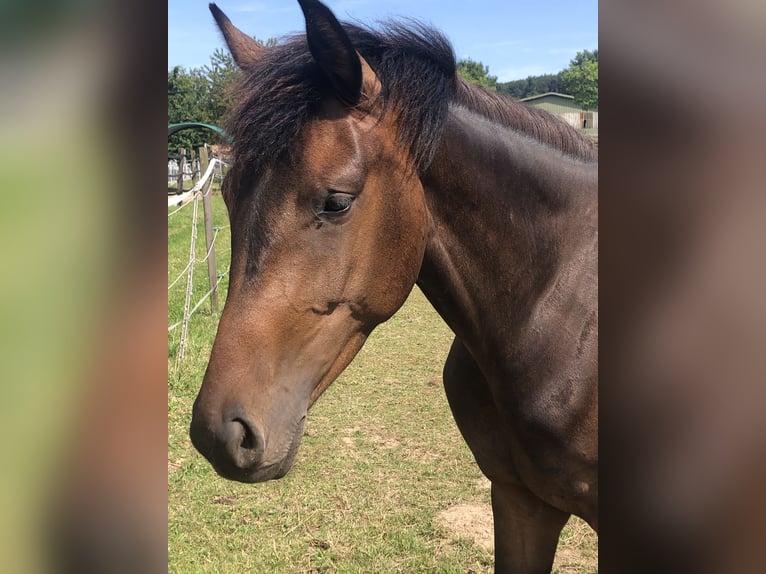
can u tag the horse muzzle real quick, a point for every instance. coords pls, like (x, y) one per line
(238, 449)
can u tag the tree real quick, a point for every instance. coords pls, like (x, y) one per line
(187, 99)
(581, 79)
(476, 73)
(221, 76)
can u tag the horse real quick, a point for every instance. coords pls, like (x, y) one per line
(364, 165)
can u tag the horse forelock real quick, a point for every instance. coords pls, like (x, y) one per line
(284, 89)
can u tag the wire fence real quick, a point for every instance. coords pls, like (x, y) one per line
(200, 192)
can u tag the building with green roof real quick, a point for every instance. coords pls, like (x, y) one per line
(564, 106)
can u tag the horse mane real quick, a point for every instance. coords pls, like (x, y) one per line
(417, 69)
(533, 122)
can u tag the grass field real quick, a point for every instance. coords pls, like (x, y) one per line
(380, 461)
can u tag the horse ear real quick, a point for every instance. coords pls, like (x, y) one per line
(333, 51)
(245, 50)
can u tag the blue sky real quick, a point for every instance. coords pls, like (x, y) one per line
(515, 38)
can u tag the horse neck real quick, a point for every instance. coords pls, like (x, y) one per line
(508, 217)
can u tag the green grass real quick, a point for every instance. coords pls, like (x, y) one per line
(381, 457)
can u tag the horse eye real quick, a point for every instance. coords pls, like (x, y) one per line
(337, 203)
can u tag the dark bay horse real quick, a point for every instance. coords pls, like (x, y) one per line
(364, 165)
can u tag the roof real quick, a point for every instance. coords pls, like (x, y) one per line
(565, 96)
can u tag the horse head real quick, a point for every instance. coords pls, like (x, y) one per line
(328, 236)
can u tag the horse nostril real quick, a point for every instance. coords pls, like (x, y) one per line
(243, 442)
(229, 440)
(248, 440)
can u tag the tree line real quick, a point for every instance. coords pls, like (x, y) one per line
(205, 94)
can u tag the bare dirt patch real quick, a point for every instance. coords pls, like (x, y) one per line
(483, 483)
(356, 435)
(469, 522)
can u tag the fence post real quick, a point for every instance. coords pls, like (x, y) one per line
(207, 206)
(181, 166)
(194, 172)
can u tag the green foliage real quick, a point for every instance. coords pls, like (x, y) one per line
(220, 75)
(532, 86)
(188, 101)
(476, 73)
(581, 79)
